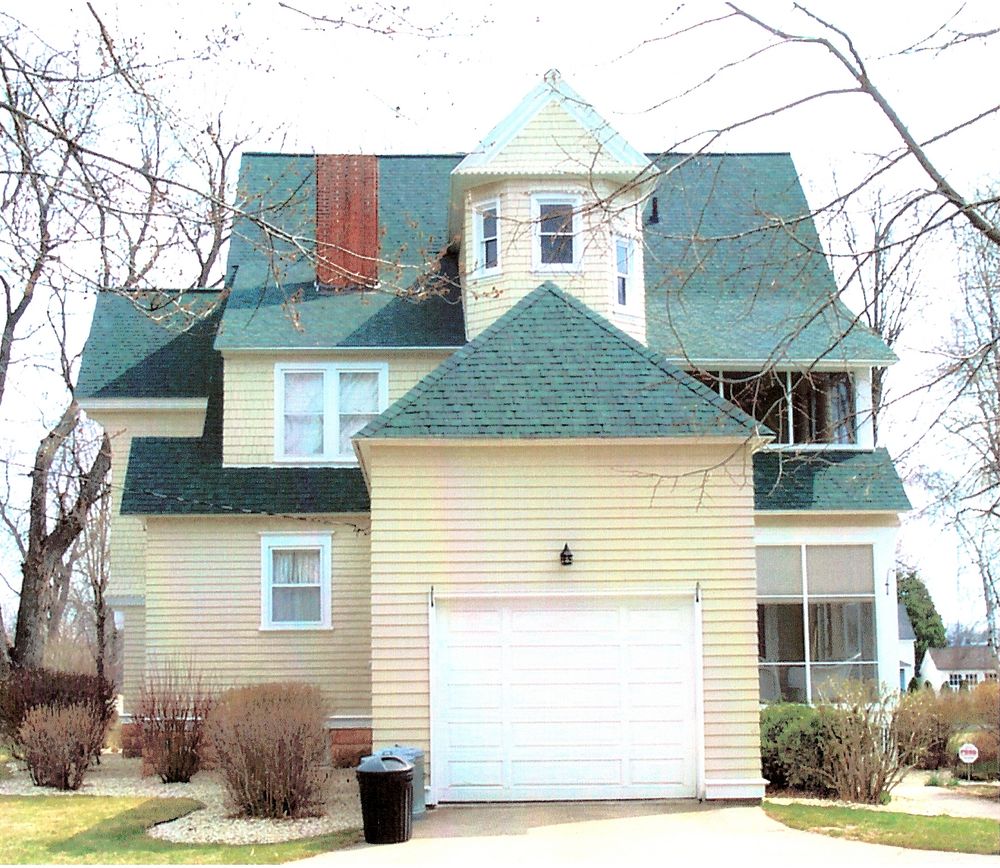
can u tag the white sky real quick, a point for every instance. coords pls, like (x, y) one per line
(309, 88)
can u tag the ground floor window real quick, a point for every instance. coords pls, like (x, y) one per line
(815, 620)
(963, 680)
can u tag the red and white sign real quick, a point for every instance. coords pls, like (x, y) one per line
(968, 753)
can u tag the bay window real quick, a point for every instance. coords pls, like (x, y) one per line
(486, 231)
(556, 221)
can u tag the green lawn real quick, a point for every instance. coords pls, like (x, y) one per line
(950, 834)
(101, 829)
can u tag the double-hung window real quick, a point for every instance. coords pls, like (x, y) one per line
(295, 581)
(556, 219)
(319, 407)
(815, 620)
(487, 237)
(624, 272)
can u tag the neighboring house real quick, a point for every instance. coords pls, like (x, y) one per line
(447, 463)
(907, 648)
(963, 666)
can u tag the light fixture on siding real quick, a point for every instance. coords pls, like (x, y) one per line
(566, 556)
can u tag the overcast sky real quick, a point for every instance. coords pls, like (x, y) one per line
(451, 70)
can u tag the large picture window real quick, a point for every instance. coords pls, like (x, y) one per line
(295, 581)
(320, 407)
(815, 620)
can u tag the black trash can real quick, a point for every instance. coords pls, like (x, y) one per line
(386, 785)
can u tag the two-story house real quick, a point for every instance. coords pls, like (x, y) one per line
(553, 459)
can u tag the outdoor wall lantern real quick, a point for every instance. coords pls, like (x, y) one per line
(566, 556)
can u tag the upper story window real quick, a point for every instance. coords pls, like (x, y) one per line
(624, 288)
(295, 581)
(319, 407)
(487, 237)
(556, 220)
(802, 409)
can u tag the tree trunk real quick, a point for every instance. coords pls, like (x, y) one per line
(46, 549)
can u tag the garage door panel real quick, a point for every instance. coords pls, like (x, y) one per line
(580, 699)
(548, 695)
(552, 655)
(568, 734)
(540, 624)
(476, 773)
(648, 770)
(477, 734)
(566, 772)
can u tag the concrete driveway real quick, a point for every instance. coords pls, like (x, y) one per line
(633, 834)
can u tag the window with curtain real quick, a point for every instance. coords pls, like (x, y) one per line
(295, 581)
(321, 406)
(815, 620)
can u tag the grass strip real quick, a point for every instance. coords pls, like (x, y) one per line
(912, 831)
(107, 830)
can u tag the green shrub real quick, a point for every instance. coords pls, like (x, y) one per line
(172, 713)
(269, 745)
(58, 743)
(26, 689)
(791, 746)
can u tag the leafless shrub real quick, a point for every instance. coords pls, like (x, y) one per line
(57, 743)
(172, 713)
(870, 742)
(269, 743)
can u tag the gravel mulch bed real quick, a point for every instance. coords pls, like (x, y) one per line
(116, 776)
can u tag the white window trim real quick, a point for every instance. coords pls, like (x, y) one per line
(478, 267)
(270, 543)
(575, 201)
(331, 410)
(862, 419)
(631, 302)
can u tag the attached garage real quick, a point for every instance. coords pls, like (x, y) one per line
(567, 697)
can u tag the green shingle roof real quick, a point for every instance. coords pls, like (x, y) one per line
(735, 270)
(185, 476)
(835, 480)
(275, 302)
(153, 347)
(551, 367)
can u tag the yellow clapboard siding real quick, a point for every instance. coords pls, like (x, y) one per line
(486, 297)
(248, 393)
(203, 600)
(127, 574)
(700, 528)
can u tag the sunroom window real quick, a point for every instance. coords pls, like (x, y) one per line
(815, 620)
(813, 408)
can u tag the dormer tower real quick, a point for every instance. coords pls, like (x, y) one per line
(552, 193)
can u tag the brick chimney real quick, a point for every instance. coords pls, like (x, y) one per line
(347, 220)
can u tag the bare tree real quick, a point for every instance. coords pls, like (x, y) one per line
(103, 187)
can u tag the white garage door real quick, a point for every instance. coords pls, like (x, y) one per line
(563, 699)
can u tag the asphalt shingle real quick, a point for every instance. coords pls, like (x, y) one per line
(847, 480)
(551, 367)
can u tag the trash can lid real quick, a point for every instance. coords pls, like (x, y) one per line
(410, 754)
(383, 763)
